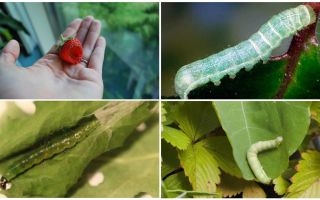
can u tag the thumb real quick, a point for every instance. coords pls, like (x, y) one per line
(10, 52)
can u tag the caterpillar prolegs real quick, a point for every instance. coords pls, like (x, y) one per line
(254, 163)
(54, 146)
(246, 54)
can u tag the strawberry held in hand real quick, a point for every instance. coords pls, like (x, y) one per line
(70, 50)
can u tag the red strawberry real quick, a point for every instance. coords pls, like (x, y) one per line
(71, 51)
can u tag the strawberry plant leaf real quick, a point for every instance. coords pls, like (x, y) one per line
(246, 123)
(170, 163)
(175, 137)
(195, 118)
(280, 185)
(253, 190)
(305, 183)
(220, 149)
(165, 118)
(200, 167)
(231, 186)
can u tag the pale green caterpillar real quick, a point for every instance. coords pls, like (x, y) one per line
(254, 163)
(246, 54)
(52, 147)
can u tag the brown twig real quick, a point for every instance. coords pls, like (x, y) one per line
(298, 44)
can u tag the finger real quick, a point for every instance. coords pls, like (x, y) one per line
(10, 52)
(91, 39)
(97, 56)
(84, 27)
(72, 29)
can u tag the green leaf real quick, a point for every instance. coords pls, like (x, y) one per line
(280, 185)
(220, 149)
(136, 162)
(185, 193)
(175, 137)
(315, 111)
(246, 123)
(12, 23)
(195, 118)
(169, 159)
(20, 132)
(54, 177)
(231, 186)
(176, 181)
(200, 167)
(306, 81)
(253, 190)
(165, 118)
(170, 162)
(305, 183)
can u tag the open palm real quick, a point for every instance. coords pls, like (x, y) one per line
(50, 77)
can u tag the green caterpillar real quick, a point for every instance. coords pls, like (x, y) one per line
(252, 157)
(56, 145)
(246, 54)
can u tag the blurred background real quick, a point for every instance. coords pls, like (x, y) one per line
(192, 31)
(131, 65)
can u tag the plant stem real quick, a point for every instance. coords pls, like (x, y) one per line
(298, 44)
(180, 169)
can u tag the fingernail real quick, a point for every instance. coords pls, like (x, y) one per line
(12, 44)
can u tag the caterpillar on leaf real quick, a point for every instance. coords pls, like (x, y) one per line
(56, 145)
(254, 163)
(246, 54)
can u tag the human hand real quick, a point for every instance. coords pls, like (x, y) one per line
(50, 77)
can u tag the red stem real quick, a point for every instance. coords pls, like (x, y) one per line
(298, 44)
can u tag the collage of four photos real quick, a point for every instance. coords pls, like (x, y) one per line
(159, 99)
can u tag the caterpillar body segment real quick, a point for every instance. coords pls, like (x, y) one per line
(48, 150)
(254, 163)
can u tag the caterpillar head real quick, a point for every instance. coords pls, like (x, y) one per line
(279, 139)
(184, 78)
(4, 184)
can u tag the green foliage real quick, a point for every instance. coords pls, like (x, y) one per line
(9, 26)
(170, 163)
(215, 162)
(231, 186)
(246, 123)
(201, 169)
(280, 185)
(54, 177)
(175, 137)
(136, 162)
(306, 182)
(195, 119)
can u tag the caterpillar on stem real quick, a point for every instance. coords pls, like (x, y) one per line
(246, 54)
(254, 163)
(46, 151)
